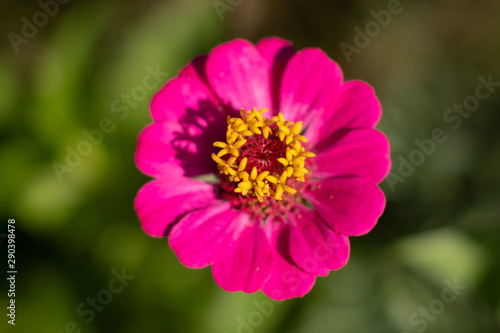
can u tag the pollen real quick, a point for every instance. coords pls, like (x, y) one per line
(262, 156)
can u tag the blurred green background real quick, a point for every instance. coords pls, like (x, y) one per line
(442, 220)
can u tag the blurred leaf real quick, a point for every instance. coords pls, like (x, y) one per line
(46, 203)
(59, 77)
(443, 254)
(167, 37)
(122, 245)
(9, 91)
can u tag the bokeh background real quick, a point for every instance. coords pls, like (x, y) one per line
(442, 219)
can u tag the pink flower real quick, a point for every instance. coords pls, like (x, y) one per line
(288, 185)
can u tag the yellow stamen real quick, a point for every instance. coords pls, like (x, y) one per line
(249, 180)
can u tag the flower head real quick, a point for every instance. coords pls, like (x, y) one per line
(294, 157)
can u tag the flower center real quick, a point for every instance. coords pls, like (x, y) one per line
(262, 157)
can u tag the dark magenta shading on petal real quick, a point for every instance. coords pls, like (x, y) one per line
(355, 107)
(161, 203)
(196, 70)
(315, 247)
(203, 235)
(277, 52)
(347, 204)
(239, 75)
(360, 152)
(286, 280)
(310, 82)
(182, 96)
(172, 149)
(245, 263)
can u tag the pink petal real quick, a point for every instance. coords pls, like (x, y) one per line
(170, 149)
(310, 82)
(356, 106)
(245, 263)
(239, 75)
(160, 203)
(314, 246)
(360, 152)
(286, 279)
(277, 52)
(347, 204)
(196, 70)
(183, 99)
(203, 235)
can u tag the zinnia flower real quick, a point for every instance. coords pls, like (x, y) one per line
(294, 157)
